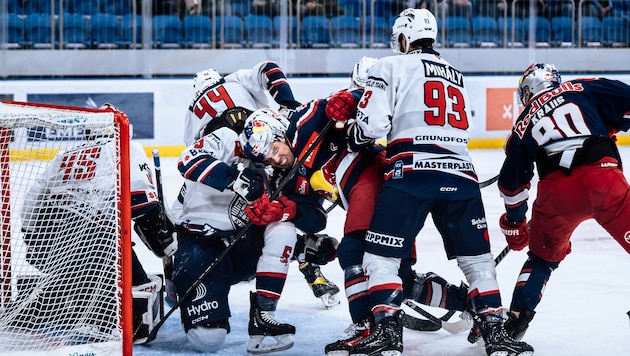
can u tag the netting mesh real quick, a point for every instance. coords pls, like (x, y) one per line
(61, 222)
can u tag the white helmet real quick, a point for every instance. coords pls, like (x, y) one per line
(537, 77)
(414, 24)
(360, 72)
(204, 79)
(262, 128)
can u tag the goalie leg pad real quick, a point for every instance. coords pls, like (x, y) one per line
(147, 307)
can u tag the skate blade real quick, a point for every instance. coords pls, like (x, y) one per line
(256, 345)
(507, 353)
(330, 300)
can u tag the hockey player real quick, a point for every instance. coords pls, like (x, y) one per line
(418, 100)
(568, 130)
(210, 210)
(247, 88)
(70, 197)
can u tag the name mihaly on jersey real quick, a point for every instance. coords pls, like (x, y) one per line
(444, 71)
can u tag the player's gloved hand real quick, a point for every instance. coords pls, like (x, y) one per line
(320, 248)
(264, 211)
(341, 107)
(248, 183)
(516, 233)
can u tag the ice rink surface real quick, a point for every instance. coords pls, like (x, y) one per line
(583, 311)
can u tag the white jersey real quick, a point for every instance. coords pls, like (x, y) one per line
(82, 179)
(206, 167)
(252, 89)
(418, 101)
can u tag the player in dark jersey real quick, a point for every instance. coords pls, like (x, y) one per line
(568, 129)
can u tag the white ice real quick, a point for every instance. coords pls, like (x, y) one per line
(583, 310)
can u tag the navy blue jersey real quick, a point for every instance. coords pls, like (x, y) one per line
(578, 108)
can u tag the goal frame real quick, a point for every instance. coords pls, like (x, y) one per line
(121, 121)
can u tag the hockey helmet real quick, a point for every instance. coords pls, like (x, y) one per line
(101, 132)
(262, 128)
(360, 72)
(414, 24)
(204, 79)
(537, 77)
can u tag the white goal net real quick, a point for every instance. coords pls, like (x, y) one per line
(64, 215)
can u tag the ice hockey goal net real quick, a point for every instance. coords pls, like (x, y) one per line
(65, 231)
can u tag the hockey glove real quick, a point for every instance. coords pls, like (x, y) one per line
(150, 228)
(263, 211)
(320, 248)
(248, 183)
(516, 233)
(341, 107)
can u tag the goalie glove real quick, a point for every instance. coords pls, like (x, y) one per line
(341, 107)
(248, 183)
(516, 233)
(263, 211)
(320, 248)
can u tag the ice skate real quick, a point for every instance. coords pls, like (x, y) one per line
(498, 342)
(516, 327)
(263, 324)
(322, 288)
(356, 333)
(385, 340)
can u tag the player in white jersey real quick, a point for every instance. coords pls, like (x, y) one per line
(74, 187)
(418, 101)
(262, 86)
(210, 210)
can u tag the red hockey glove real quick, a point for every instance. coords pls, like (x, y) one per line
(516, 233)
(263, 211)
(341, 106)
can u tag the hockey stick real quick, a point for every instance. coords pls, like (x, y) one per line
(488, 182)
(167, 261)
(455, 327)
(239, 235)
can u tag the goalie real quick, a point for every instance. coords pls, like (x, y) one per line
(76, 193)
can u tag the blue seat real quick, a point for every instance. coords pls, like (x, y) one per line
(38, 31)
(106, 31)
(84, 7)
(20, 7)
(591, 31)
(616, 31)
(75, 30)
(377, 32)
(45, 7)
(354, 8)
(229, 31)
(562, 31)
(131, 32)
(485, 31)
(288, 22)
(346, 31)
(458, 31)
(542, 32)
(506, 26)
(198, 31)
(240, 7)
(15, 32)
(258, 31)
(315, 32)
(167, 31)
(381, 8)
(116, 7)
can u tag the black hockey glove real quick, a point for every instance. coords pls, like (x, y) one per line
(248, 183)
(150, 228)
(320, 248)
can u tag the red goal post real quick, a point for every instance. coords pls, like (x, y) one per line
(65, 234)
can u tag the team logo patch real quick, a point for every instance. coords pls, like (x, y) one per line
(626, 237)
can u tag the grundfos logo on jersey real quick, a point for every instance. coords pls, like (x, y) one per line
(385, 240)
